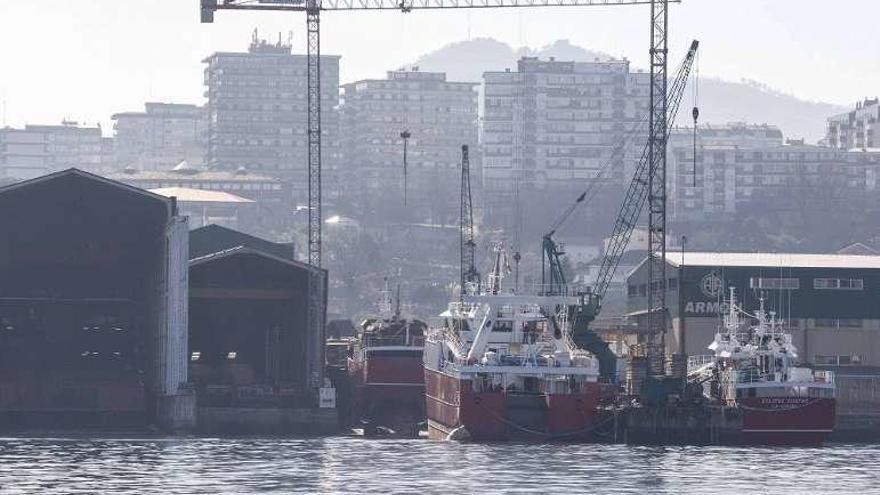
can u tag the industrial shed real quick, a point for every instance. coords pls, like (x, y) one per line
(249, 342)
(93, 310)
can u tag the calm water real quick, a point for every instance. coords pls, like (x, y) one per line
(352, 465)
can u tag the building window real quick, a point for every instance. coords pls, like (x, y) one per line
(631, 290)
(825, 359)
(838, 283)
(775, 283)
(849, 323)
(844, 360)
(839, 323)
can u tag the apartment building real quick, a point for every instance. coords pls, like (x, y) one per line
(38, 150)
(438, 115)
(556, 126)
(257, 111)
(160, 137)
(856, 129)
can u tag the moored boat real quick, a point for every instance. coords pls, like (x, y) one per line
(385, 368)
(502, 366)
(754, 371)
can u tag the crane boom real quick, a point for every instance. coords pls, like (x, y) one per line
(634, 201)
(208, 6)
(637, 192)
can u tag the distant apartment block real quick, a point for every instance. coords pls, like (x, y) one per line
(856, 129)
(553, 125)
(439, 115)
(40, 149)
(257, 111)
(730, 179)
(160, 137)
(738, 134)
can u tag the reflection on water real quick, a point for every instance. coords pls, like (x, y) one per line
(352, 465)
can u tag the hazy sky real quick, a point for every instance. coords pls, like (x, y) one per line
(85, 60)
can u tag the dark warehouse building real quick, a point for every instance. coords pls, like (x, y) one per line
(93, 313)
(249, 340)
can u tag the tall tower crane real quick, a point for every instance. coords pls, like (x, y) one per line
(312, 10)
(657, 138)
(469, 273)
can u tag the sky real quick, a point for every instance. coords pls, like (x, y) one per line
(86, 60)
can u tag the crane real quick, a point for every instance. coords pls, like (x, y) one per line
(469, 273)
(552, 276)
(638, 192)
(657, 138)
(628, 215)
(312, 10)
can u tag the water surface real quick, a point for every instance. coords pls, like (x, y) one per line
(355, 465)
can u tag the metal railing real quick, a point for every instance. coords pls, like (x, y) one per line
(395, 341)
(697, 362)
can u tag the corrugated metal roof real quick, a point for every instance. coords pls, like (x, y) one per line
(774, 260)
(200, 176)
(189, 195)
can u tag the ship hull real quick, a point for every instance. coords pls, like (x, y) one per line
(389, 389)
(456, 412)
(787, 420)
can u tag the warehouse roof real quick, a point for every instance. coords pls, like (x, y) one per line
(248, 251)
(774, 260)
(189, 195)
(215, 238)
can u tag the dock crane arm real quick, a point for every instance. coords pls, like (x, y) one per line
(634, 201)
(637, 192)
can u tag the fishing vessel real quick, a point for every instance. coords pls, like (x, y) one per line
(754, 372)
(385, 368)
(502, 366)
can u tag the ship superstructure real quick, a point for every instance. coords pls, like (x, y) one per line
(385, 366)
(754, 370)
(502, 365)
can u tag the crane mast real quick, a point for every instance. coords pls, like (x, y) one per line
(657, 187)
(469, 273)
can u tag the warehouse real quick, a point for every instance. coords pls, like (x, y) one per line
(92, 307)
(249, 340)
(830, 301)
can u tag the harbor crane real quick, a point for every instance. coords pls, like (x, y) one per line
(638, 192)
(313, 9)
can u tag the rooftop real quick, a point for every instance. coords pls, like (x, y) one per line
(773, 260)
(198, 175)
(189, 195)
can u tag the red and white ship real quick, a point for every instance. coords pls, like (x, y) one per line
(385, 367)
(754, 370)
(502, 366)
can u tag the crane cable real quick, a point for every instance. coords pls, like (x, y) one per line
(696, 115)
